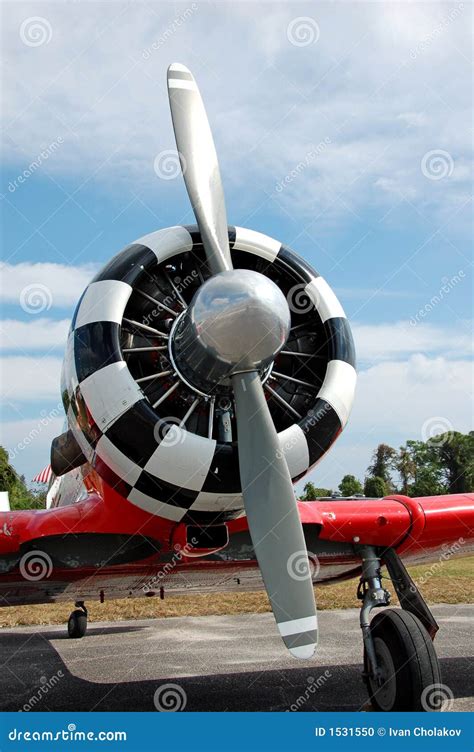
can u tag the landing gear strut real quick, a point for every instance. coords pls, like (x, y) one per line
(400, 663)
(77, 623)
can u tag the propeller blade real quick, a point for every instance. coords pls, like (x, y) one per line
(199, 165)
(273, 518)
(270, 504)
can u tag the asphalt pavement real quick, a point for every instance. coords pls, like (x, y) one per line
(224, 663)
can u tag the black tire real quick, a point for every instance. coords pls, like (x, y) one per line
(408, 659)
(77, 624)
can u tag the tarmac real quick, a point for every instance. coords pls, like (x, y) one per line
(223, 663)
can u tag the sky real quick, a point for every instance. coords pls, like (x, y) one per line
(343, 130)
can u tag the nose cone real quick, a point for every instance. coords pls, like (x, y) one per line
(241, 319)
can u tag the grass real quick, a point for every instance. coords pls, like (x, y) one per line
(447, 582)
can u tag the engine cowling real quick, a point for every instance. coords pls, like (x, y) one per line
(156, 427)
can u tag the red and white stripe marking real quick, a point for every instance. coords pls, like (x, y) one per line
(44, 476)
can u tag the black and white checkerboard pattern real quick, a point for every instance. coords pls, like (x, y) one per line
(189, 477)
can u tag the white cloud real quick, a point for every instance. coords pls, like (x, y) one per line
(387, 85)
(369, 292)
(396, 401)
(28, 441)
(413, 118)
(40, 287)
(400, 396)
(39, 334)
(387, 341)
(26, 379)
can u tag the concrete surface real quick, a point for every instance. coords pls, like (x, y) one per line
(217, 662)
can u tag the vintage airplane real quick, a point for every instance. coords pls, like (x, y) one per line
(207, 369)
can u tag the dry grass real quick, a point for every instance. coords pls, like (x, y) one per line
(451, 582)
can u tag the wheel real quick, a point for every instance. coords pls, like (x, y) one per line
(407, 659)
(77, 624)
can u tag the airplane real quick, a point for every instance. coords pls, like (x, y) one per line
(208, 368)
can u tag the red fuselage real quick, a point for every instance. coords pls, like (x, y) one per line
(157, 556)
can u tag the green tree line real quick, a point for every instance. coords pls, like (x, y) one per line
(20, 496)
(442, 465)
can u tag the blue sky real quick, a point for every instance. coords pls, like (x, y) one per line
(343, 130)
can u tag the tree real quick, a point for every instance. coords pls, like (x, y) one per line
(311, 492)
(455, 453)
(8, 477)
(376, 487)
(405, 466)
(349, 486)
(382, 461)
(20, 497)
(426, 484)
(427, 470)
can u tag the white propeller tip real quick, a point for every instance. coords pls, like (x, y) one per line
(294, 630)
(178, 68)
(180, 77)
(303, 652)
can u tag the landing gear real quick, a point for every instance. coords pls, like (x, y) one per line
(77, 623)
(406, 660)
(400, 663)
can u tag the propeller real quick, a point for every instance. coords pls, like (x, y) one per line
(199, 165)
(240, 319)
